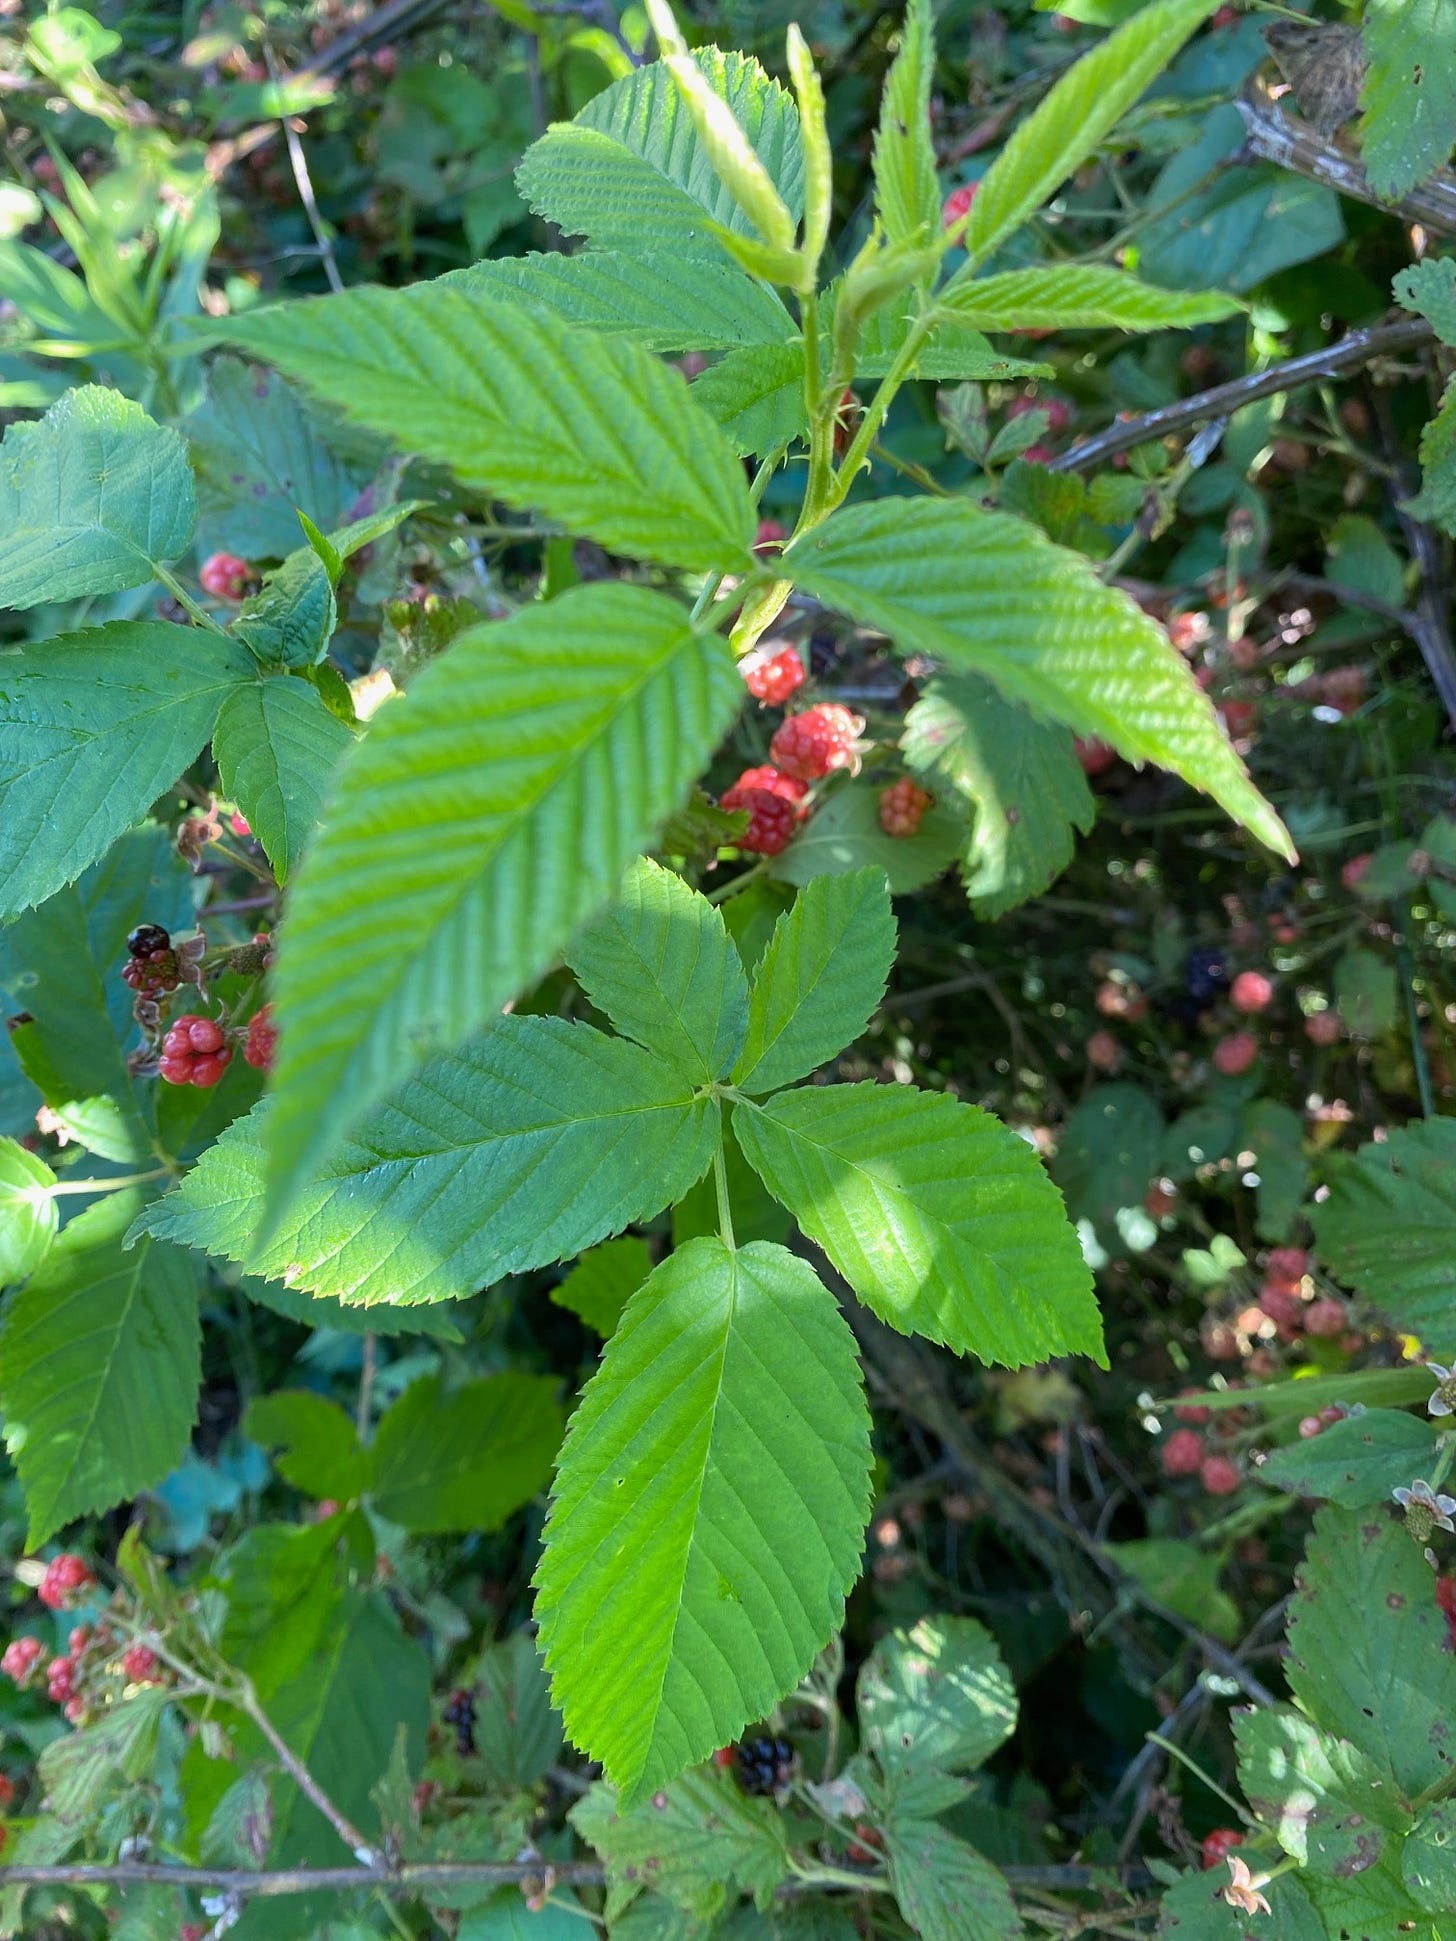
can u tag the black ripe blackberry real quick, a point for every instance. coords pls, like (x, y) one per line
(460, 1712)
(764, 1765)
(147, 938)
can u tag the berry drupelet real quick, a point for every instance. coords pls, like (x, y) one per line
(460, 1712)
(822, 738)
(194, 1052)
(65, 1577)
(764, 1765)
(151, 968)
(903, 807)
(773, 804)
(262, 1040)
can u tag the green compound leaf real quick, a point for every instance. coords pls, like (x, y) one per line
(94, 727)
(603, 1281)
(701, 1840)
(1388, 1229)
(592, 431)
(1018, 777)
(316, 1447)
(1073, 121)
(1355, 1463)
(93, 496)
(988, 593)
(937, 1698)
(660, 964)
(630, 172)
(945, 1889)
(1325, 1802)
(1194, 1909)
(28, 1212)
(666, 301)
(1409, 98)
(709, 1510)
(1081, 297)
(818, 982)
(940, 1218)
(528, 1144)
(1369, 1658)
(471, 831)
(907, 191)
(469, 1459)
(100, 1359)
(276, 746)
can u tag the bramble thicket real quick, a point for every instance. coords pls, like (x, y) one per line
(728, 876)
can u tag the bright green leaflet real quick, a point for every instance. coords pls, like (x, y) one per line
(603, 1281)
(907, 191)
(28, 1213)
(986, 592)
(94, 727)
(937, 1698)
(592, 431)
(531, 1142)
(1019, 778)
(946, 1890)
(940, 1218)
(705, 1838)
(276, 746)
(1324, 1800)
(468, 1459)
(1409, 126)
(678, 1596)
(660, 964)
(480, 821)
(1430, 288)
(92, 498)
(817, 984)
(1082, 297)
(94, 1330)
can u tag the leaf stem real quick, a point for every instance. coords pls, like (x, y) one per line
(725, 1211)
(107, 1185)
(185, 600)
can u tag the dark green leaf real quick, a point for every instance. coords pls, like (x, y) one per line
(468, 1459)
(1357, 1462)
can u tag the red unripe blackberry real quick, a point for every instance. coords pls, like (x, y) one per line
(1183, 1453)
(194, 1052)
(1251, 992)
(1310, 1426)
(1095, 756)
(262, 1040)
(1219, 1476)
(1287, 1265)
(813, 743)
(1058, 411)
(957, 205)
(1324, 1028)
(7, 1792)
(770, 534)
(1353, 874)
(60, 1680)
(1234, 1054)
(903, 807)
(225, 576)
(766, 777)
(1196, 1412)
(1104, 1053)
(22, 1655)
(1219, 1844)
(771, 677)
(140, 1665)
(771, 820)
(1325, 1316)
(64, 1577)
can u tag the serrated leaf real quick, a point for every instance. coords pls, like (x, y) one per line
(1429, 287)
(94, 727)
(1081, 296)
(1436, 500)
(695, 1844)
(1108, 1156)
(100, 1359)
(666, 301)
(1428, 1858)
(907, 192)
(1373, 1904)
(1018, 777)
(946, 1890)
(844, 834)
(518, 1734)
(756, 397)
(1328, 1806)
(80, 1768)
(554, 416)
(1368, 1647)
(1388, 1229)
(680, 1592)
(603, 1281)
(316, 1447)
(659, 963)
(1194, 1909)
(1366, 992)
(1409, 98)
(482, 818)
(1356, 1462)
(988, 593)
(318, 1311)
(937, 1215)
(468, 1459)
(533, 1141)
(1073, 120)
(290, 620)
(276, 746)
(93, 497)
(1162, 1569)
(631, 173)
(28, 1212)
(818, 982)
(937, 1698)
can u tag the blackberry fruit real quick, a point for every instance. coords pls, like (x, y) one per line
(1207, 975)
(764, 1765)
(460, 1712)
(148, 938)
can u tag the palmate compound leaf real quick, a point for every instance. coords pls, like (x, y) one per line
(471, 831)
(92, 497)
(819, 980)
(660, 964)
(99, 1366)
(709, 1511)
(276, 746)
(94, 727)
(939, 1217)
(631, 173)
(591, 430)
(985, 592)
(529, 1143)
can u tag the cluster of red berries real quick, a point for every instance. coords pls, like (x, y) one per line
(903, 807)
(1287, 1299)
(810, 745)
(262, 1040)
(772, 675)
(65, 1578)
(225, 576)
(1185, 1453)
(151, 969)
(194, 1052)
(774, 804)
(1219, 1844)
(21, 1657)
